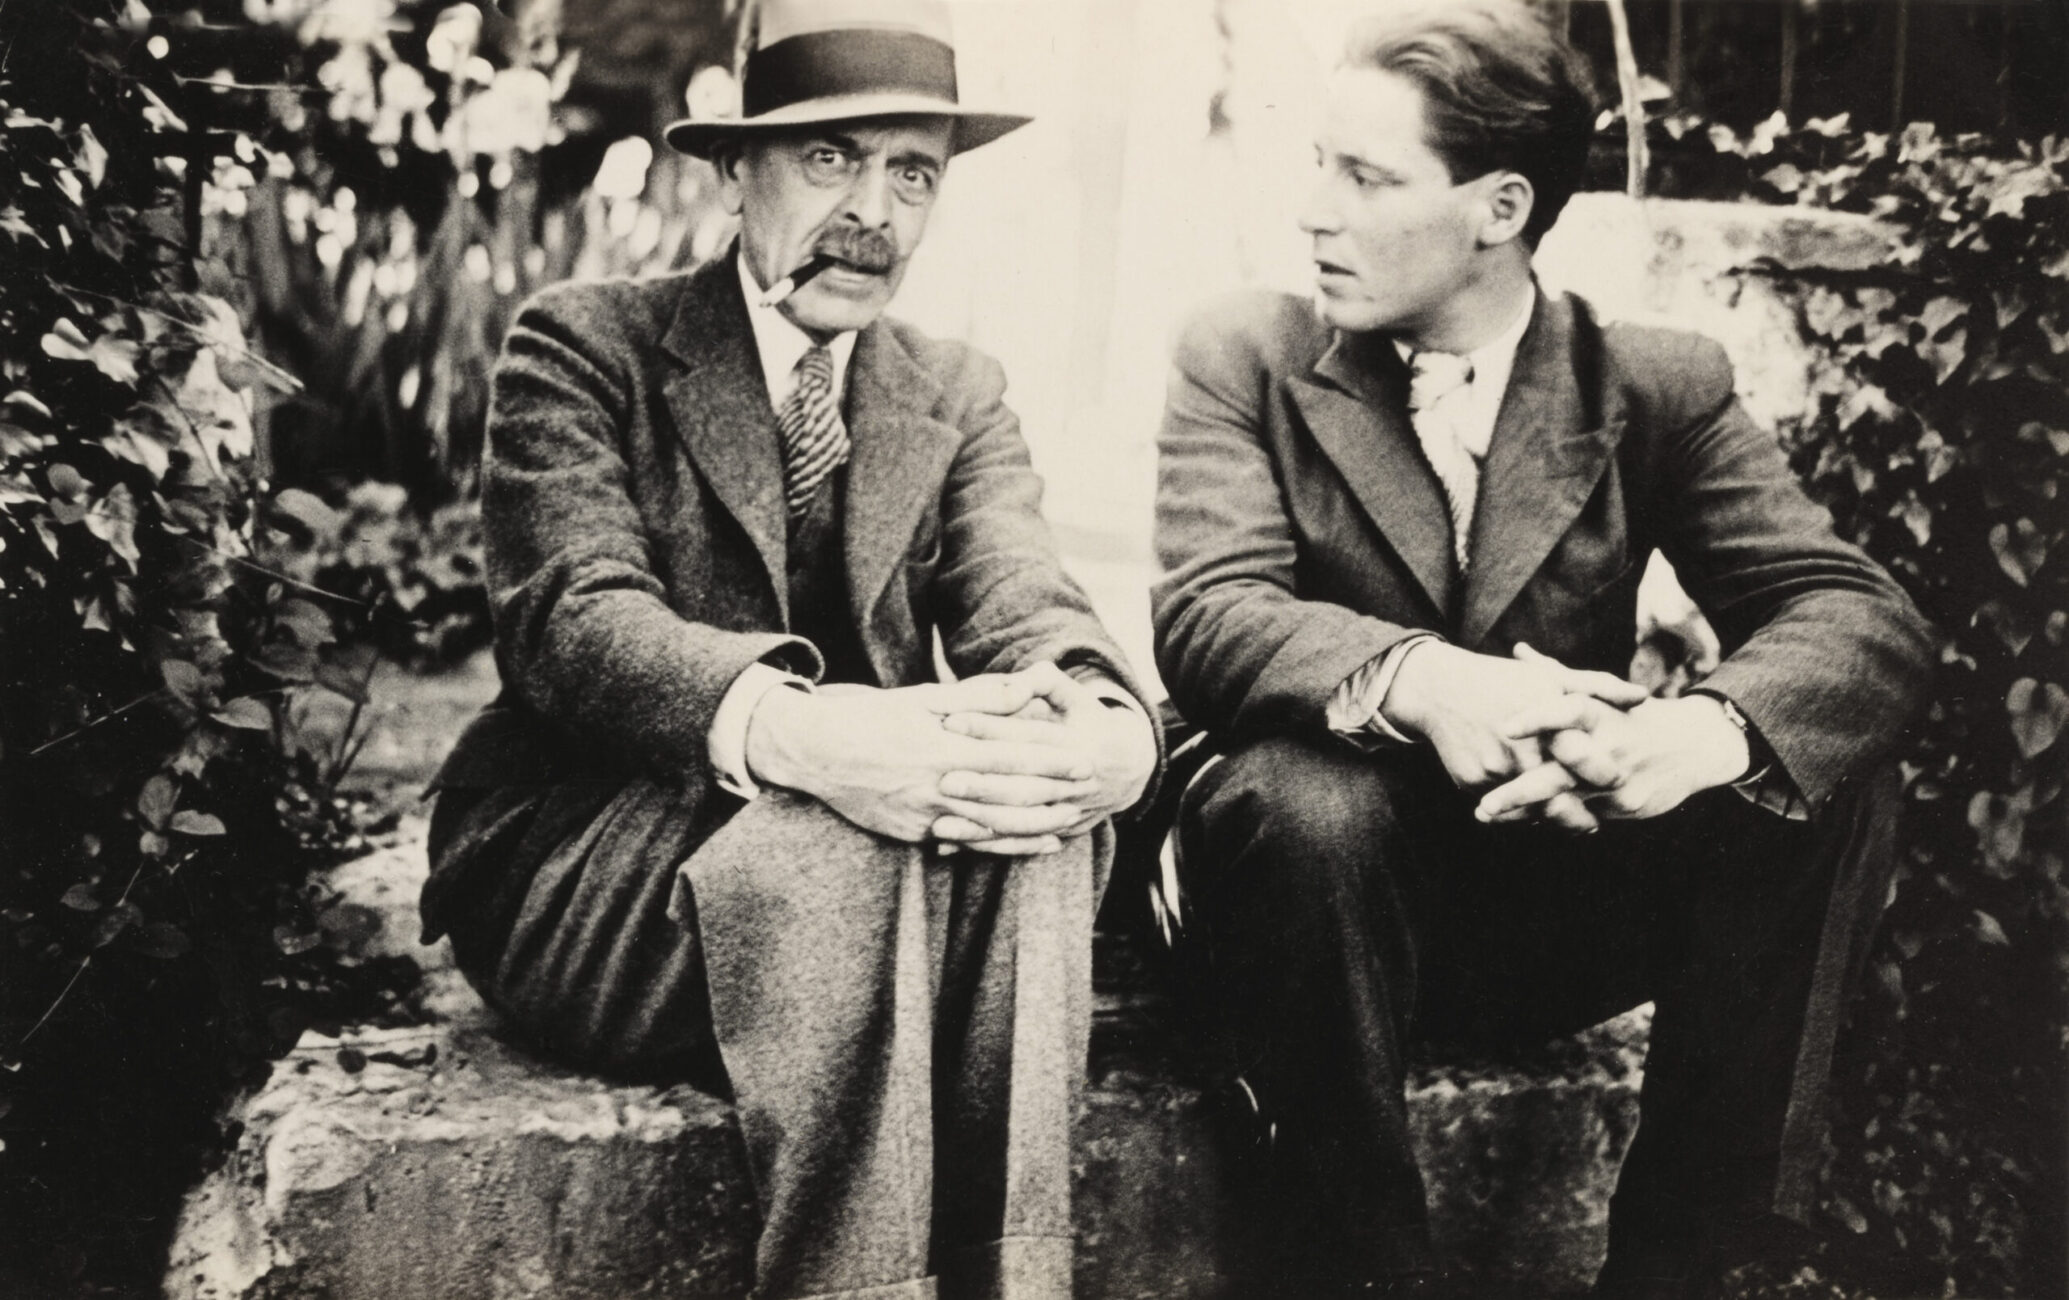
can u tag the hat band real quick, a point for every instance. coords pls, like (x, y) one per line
(821, 65)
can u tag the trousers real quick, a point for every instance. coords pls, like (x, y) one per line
(1343, 906)
(902, 1035)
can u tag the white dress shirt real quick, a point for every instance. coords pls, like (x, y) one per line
(1474, 406)
(780, 343)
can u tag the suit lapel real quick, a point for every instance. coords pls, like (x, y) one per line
(1356, 406)
(899, 456)
(1547, 453)
(720, 402)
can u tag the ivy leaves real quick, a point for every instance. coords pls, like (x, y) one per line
(111, 354)
(1943, 389)
(1940, 438)
(2021, 548)
(2038, 711)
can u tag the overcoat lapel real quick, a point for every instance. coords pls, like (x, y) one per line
(899, 455)
(1546, 455)
(1356, 406)
(720, 402)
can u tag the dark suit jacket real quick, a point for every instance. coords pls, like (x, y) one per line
(633, 509)
(1302, 532)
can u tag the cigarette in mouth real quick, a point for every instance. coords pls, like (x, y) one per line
(796, 280)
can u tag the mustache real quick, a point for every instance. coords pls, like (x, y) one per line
(863, 249)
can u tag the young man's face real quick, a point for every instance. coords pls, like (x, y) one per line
(1394, 238)
(857, 191)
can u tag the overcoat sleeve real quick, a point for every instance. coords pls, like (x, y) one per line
(584, 632)
(1823, 651)
(1241, 649)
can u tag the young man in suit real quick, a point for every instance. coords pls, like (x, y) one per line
(1402, 526)
(723, 824)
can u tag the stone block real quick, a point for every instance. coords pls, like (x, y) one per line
(439, 1163)
(442, 1164)
(1154, 1215)
(1520, 1155)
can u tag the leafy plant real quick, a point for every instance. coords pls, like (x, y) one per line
(161, 807)
(364, 182)
(387, 241)
(410, 585)
(1940, 439)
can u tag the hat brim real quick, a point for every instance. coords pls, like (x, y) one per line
(972, 129)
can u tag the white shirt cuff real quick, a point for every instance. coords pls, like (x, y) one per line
(1354, 708)
(726, 742)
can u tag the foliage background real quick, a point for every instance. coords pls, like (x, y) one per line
(1939, 437)
(159, 936)
(246, 249)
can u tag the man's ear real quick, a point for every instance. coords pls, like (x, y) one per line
(726, 158)
(1509, 203)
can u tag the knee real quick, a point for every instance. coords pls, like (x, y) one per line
(785, 844)
(1317, 811)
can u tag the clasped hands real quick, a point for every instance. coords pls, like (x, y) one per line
(1005, 763)
(1570, 747)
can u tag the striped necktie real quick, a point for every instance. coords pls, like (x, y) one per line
(815, 442)
(1436, 381)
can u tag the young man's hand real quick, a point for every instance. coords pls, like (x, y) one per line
(1620, 764)
(1459, 701)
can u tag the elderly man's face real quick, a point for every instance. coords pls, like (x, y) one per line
(859, 192)
(1394, 238)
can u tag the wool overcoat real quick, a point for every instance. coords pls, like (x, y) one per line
(632, 502)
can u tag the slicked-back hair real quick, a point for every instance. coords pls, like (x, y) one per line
(1501, 92)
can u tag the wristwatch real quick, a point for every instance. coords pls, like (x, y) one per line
(1735, 716)
(1756, 768)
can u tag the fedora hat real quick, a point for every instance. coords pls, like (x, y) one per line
(815, 61)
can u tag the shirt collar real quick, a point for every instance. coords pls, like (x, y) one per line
(780, 343)
(1493, 360)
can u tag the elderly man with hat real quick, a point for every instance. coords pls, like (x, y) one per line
(725, 823)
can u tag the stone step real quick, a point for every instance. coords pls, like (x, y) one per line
(439, 1162)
